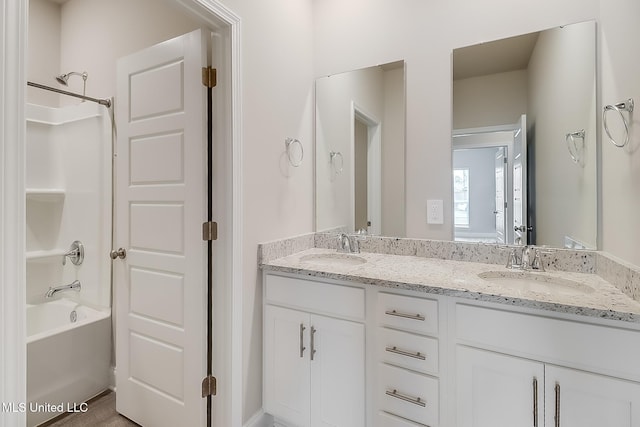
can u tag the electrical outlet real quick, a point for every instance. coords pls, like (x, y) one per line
(435, 214)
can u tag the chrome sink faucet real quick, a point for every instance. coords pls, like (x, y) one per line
(348, 244)
(529, 258)
(75, 286)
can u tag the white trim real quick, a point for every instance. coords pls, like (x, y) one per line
(260, 419)
(13, 21)
(374, 167)
(219, 16)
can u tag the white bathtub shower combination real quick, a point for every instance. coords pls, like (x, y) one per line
(68, 200)
(68, 360)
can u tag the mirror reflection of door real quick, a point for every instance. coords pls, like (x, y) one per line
(479, 183)
(361, 188)
(500, 190)
(494, 158)
(367, 172)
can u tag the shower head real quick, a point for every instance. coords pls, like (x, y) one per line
(64, 78)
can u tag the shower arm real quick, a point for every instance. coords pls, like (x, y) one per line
(105, 102)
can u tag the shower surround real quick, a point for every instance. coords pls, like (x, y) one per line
(68, 199)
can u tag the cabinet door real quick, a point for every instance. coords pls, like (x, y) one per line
(337, 373)
(495, 390)
(583, 399)
(286, 365)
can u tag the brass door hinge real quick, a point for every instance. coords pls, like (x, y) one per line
(210, 231)
(209, 76)
(209, 386)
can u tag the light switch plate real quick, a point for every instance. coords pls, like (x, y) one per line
(435, 214)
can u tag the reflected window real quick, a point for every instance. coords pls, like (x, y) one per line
(461, 198)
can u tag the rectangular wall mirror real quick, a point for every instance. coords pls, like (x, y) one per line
(524, 139)
(360, 136)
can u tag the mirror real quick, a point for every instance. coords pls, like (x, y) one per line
(524, 139)
(360, 134)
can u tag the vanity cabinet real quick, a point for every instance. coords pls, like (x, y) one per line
(527, 373)
(314, 353)
(407, 360)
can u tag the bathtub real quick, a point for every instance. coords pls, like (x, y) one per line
(68, 357)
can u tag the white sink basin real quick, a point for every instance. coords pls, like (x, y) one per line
(333, 259)
(536, 282)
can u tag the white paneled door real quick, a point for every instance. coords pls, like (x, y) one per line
(161, 200)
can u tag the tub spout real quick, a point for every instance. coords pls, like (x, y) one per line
(75, 286)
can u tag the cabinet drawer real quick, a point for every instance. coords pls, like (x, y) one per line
(408, 350)
(308, 295)
(408, 394)
(408, 313)
(596, 348)
(387, 420)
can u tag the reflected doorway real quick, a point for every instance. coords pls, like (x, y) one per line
(489, 184)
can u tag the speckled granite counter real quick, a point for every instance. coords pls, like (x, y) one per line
(457, 278)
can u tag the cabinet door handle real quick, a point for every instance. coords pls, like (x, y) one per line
(313, 350)
(396, 350)
(302, 347)
(405, 315)
(535, 402)
(415, 400)
(557, 417)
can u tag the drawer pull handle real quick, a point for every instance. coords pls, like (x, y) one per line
(415, 400)
(396, 350)
(557, 414)
(313, 345)
(406, 316)
(535, 402)
(302, 347)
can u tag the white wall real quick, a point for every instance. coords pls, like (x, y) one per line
(562, 99)
(620, 68)
(277, 86)
(393, 172)
(43, 56)
(493, 100)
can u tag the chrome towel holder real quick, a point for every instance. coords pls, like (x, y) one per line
(576, 152)
(289, 143)
(619, 108)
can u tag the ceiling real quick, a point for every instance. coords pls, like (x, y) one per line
(499, 56)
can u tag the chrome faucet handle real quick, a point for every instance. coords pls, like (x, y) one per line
(343, 243)
(526, 257)
(512, 259)
(75, 253)
(537, 262)
(354, 244)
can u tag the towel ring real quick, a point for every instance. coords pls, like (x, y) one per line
(332, 158)
(619, 107)
(289, 142)
(571, 140)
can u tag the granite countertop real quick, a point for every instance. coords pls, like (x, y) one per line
(460, 279)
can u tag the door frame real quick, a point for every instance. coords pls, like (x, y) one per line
(227, 307)
(374, 168)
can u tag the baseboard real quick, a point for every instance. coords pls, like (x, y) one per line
(260, 419)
